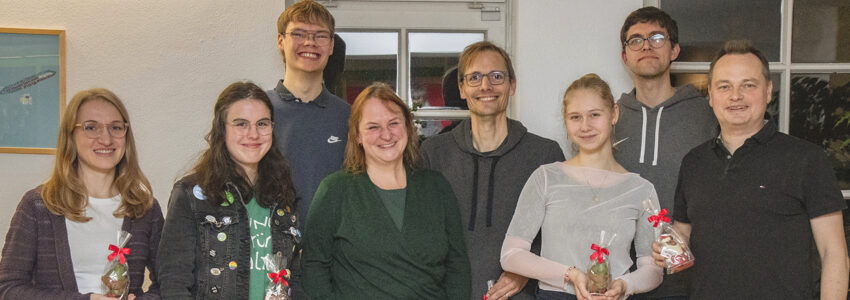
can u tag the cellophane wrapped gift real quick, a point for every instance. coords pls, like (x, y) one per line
(675, 251)
(279, 275)
(598, 273)
(116, 279)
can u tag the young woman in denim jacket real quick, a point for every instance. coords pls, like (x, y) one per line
(234, 207)
(58, 242)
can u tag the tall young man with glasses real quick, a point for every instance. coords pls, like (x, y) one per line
(487, 160)
(658, 123)
(311, 122)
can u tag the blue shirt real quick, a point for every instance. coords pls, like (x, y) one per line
(312, 136)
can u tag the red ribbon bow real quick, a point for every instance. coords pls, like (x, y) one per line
(597, 253)
(120, 252)
(660, 217)
(279, 276)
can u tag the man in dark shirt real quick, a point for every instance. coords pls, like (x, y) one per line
(752, 200)
(311, 124)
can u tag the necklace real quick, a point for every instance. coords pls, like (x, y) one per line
(592, 189)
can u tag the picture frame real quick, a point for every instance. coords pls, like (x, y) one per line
(32, 89)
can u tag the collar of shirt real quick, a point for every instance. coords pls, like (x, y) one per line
(287, 96)
(767, 131)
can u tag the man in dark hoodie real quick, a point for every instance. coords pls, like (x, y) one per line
(659, 123)
(487, 159)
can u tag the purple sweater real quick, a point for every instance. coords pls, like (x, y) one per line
(36, 262)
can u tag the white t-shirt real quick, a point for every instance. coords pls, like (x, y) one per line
(90, 241)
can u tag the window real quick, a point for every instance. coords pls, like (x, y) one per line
(808, 45)
(411, 45)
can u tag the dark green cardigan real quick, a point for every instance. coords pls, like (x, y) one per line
(352, 249)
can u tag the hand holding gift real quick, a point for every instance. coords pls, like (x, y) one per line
(278, 287)
(116, 280)
(598, 274)
(677, 255)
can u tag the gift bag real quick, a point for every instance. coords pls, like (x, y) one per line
(675, 251)
(598, 273)
(278, 287)
(116, 278)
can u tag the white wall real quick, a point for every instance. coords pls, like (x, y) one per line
(168, 60)
(556, 43)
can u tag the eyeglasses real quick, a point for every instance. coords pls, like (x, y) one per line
(94, 130)
(494, 77)
(322, 38)
(243, 127)
(655, 41)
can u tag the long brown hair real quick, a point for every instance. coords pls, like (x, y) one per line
(355, 157)
(215, 168)
(64, 192)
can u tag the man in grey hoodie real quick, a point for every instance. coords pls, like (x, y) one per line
(659, 123)
(487, 159)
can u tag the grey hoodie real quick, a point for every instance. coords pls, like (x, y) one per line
(652, 142)
(487, 187)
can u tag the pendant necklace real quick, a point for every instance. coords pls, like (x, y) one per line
(592, 189)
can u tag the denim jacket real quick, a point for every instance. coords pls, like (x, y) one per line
(205, 250)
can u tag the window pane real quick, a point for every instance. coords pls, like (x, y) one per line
(820, 107)
(700, 81)
(369, 57)
(432, 54)
(821, 31)
(705, 25)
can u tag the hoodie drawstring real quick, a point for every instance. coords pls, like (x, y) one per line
(657, 133)
(643, 136)
(490, 187)
(474, 207)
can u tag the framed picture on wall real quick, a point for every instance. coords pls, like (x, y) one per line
(32, 89)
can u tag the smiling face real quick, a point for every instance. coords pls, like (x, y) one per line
(487, 99)
(739, 92)
(382, 133)
(649, 62)
(589, 120)
(101, 154)
(247, 147)
(305, 56)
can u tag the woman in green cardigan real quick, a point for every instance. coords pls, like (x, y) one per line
(381, 228)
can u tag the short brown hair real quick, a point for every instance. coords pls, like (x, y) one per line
(472, 51)
(740, 47)
(306, 11)
(650, 14)
(355, 157)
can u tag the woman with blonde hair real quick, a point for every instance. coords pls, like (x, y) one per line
(382, 228)
(58, 241)
(571, 202)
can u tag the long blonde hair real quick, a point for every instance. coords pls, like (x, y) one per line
(64, 192)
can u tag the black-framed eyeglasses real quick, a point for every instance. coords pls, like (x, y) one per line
(322, 38)
(494, 77)
(243, 127)
(94, 130)
(655, 41)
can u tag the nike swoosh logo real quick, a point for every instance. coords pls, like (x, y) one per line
(333, 139)
(620, 141)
